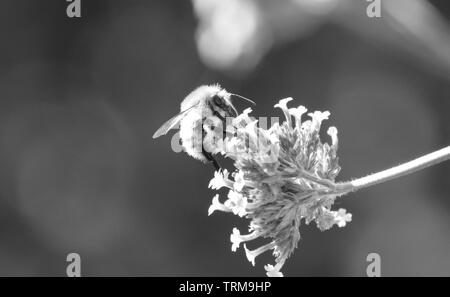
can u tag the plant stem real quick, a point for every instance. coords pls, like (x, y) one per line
(395, 172)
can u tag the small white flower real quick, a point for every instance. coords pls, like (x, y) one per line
(243, 119)
(251, 255)
(342, 217)
(251, 130)
(231, 146)
(297, 114)
(306, 126)
(332, 131)
(326, 220)
(236, 238)
(273, 271)
(317, 118)
(237, 203)
(282, 104)
(239, 181)
(220, 180)
(216, 205)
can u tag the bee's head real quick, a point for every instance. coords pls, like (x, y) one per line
(214, 98)
(221, 103)
(221, 100)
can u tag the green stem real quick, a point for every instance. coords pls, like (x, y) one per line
(395, 172)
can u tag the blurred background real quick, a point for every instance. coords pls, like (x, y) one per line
(80, 99)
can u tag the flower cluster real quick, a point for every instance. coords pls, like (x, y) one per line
(284, 176)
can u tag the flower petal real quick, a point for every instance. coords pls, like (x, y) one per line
(252, 254)
(216, 205)
(273, 271)
(283, 105)
(220, 180)
(297, 114)
(317, 118)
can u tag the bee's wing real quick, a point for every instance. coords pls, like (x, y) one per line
(170, 124)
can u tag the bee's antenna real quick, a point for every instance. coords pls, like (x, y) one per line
(234, 108)
(242, 97)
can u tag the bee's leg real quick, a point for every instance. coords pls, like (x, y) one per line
(209, 156)
(211, 159)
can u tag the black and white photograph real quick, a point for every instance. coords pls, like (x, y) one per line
(229, 140)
